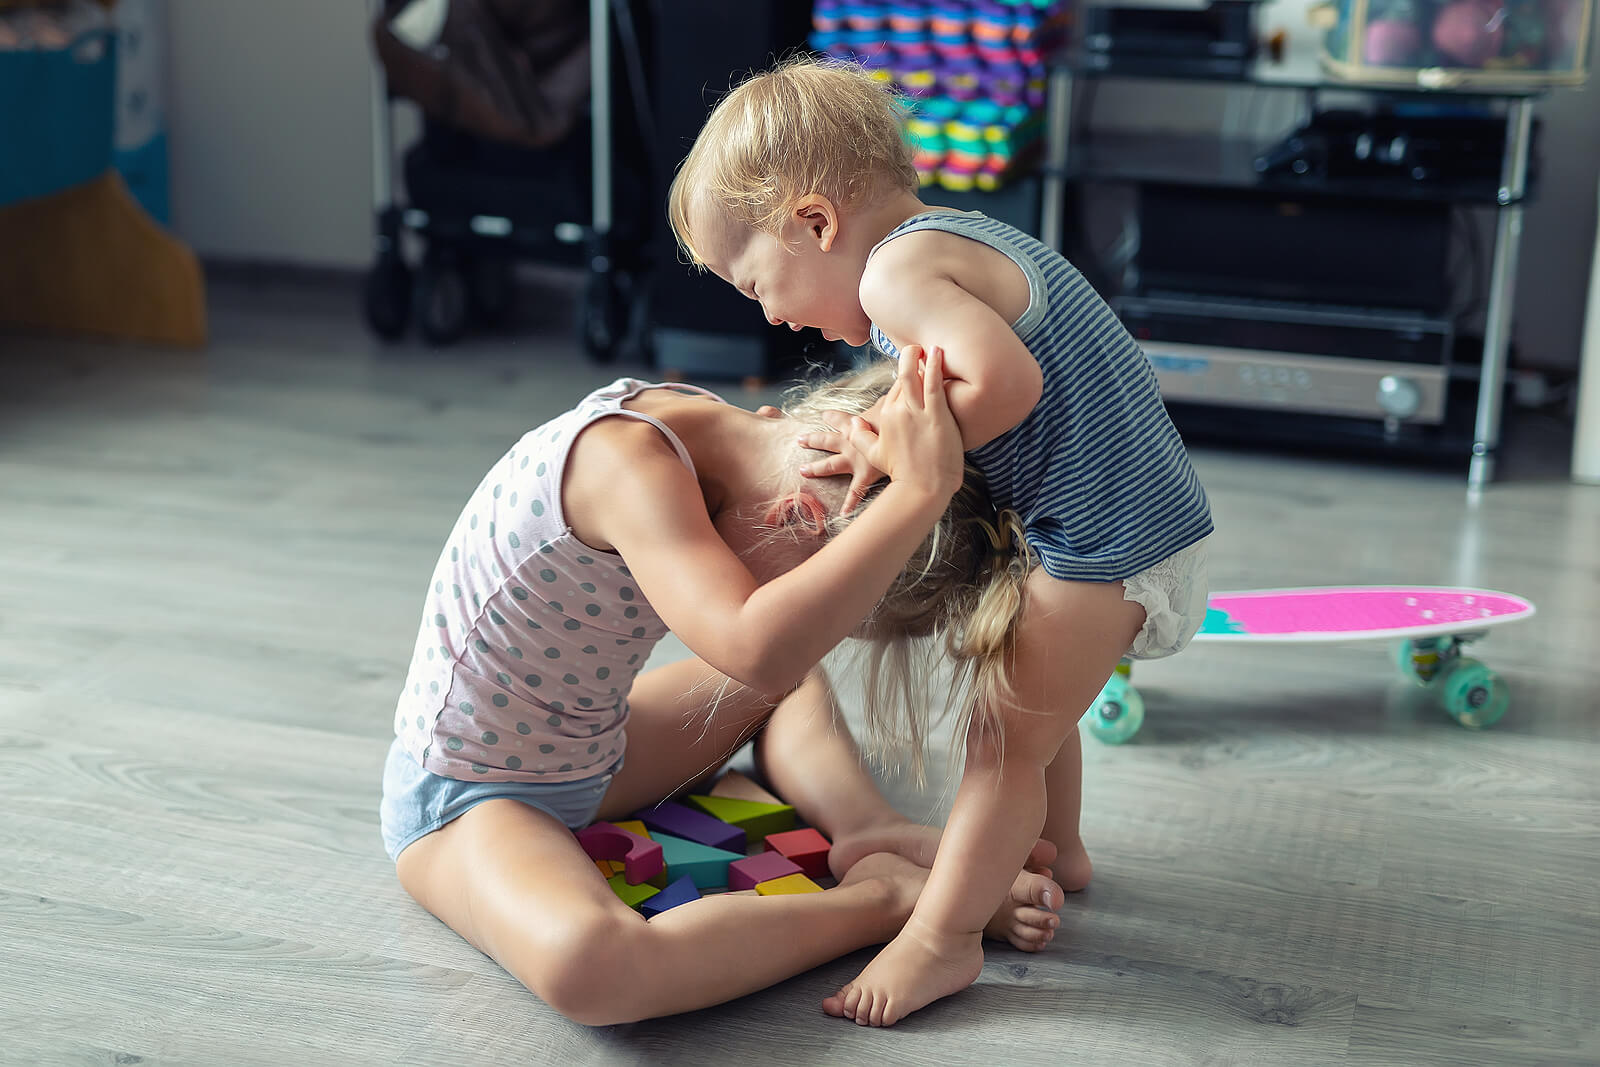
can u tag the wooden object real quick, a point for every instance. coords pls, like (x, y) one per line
(679, 892)
(756, 818)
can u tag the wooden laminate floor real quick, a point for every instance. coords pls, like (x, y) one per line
(210, 571)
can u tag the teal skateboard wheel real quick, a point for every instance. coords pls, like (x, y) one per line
(1118, 712)
(1472, 694)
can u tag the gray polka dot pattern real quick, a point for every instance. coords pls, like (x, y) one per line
(513, 588)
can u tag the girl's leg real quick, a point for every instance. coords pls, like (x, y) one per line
(1070, 637)
(513, 881)
(806, 752)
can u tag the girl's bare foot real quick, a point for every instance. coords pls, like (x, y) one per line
(914, 841)
(1027, 917)
(912, 971)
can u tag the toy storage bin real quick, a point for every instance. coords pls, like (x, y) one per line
(1467, 44)
(58, 114)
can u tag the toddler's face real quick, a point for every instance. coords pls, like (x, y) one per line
(795, 281)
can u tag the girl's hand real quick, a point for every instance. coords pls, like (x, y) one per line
(916, 442)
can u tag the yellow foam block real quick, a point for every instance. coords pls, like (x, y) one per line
(633, 826)
(789, 883)
(608, 867)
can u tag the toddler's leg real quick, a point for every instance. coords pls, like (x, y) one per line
(807, 754)
(1063, 781)
(1070, 637)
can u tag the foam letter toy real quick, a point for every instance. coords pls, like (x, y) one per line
(706, 866)
(679, 821)
(680, 892)
(789, 883)
(756, 819)
(641, 857)
(733, 784)
(762, 867)
(631, 895)
(805, 847)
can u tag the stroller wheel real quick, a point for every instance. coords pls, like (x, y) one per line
(441, 300)
(386, 296)
(493, 290)
(604, 318)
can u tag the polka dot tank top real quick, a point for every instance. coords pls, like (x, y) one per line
(530, 639)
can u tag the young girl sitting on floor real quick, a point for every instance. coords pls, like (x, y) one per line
(646, 509)
(800, 193)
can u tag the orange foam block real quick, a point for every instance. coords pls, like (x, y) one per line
(739, 787)
(807, 848)
(641, 857)
(789, 883)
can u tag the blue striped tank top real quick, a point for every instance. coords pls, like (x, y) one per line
(1096, 470)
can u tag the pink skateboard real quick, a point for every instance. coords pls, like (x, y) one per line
(1433, 625)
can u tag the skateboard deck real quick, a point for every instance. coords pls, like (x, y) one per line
(1353, 613)
(1431, 623)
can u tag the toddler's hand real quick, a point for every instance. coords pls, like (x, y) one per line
(846, 458)
(916, 441)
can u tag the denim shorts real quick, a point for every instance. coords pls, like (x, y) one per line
(418, 802)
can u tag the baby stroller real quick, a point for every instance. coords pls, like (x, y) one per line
(522, 157)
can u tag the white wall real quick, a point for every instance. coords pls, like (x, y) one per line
(269, 131)
(271, 156)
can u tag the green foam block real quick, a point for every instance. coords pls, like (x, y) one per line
(755, 818)
(631, 895)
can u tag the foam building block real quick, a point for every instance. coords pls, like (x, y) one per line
(680, 821)
(641, 857)
(740, 787)
(633, 826)
(789, 883)
(755, 818)
(807, 848)
(631, 895)
(680, 892)
(706, 866)
(607, 867)
(762, 867)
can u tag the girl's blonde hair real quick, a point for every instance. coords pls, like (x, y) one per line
(960, 594)
(807, 125)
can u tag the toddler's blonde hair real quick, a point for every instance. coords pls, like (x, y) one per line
(807, 125)
(960, 595)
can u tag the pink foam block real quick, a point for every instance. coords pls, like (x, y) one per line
(762, 867)
(805, 847)
(640, 856)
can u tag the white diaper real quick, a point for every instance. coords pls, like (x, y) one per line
(1173, 595)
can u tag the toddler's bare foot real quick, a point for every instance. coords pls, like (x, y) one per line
(912, 971)
(1072, 867)
(917, 843)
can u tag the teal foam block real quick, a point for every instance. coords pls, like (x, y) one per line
(706, 866)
